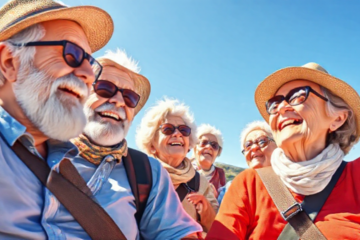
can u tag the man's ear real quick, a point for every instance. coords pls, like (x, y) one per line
(9, 65)
(338, 121)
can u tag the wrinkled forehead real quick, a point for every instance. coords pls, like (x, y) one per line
(117, 76)
(287, 87)
(209, 137)
(255, 134)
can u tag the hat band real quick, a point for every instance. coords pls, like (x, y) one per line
(31, 14)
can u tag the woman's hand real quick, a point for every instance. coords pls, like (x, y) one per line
(203, 208)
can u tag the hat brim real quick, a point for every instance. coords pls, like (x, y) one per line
(96, 23)
(269, 86)
(142, 84)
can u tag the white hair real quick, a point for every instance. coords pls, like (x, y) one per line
(208, 129)
(120, 57)
(152, 119)
(345, 135)
(256, 125)
(24, 54)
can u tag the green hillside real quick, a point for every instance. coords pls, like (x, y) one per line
(230, 170)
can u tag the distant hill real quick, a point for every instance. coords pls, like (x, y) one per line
(230, 170)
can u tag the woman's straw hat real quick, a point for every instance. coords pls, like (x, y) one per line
(17, 15)
(312, 72)
(142, 84)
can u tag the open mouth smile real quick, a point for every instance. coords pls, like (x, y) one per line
(110, 115)
(289, 122)
(71, 91)
(176, 144)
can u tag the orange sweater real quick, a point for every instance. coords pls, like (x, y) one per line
(248, 212)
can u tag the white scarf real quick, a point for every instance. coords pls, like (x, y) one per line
(311, 176)
(208, 174)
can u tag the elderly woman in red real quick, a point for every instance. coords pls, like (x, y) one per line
(310, 192)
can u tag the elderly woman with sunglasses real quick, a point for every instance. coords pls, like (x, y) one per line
(208, 148)
(309, 192)
(167, 132)
(257, 145)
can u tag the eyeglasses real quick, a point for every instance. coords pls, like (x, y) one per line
(168, 129)
(107, 89)
(214, 145)
(72, 54)
(295, 97)
(261, 142)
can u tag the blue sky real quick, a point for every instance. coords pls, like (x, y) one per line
(211, 54)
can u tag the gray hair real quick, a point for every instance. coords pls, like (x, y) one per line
(345, 135)
(29, 34)
(121, 58)
(150, 123)
(208, 129)
(256, 125)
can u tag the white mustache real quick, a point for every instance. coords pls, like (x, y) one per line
(72, 82)
(110, 107)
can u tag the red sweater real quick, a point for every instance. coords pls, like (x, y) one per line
(248, 212)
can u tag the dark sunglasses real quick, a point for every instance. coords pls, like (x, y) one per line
(107, 89)
(214, 145)
(295, 97)
(72, 54)
(168, 129)
(261, 142)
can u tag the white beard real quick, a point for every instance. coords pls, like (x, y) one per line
(103, 132)
(54, 113)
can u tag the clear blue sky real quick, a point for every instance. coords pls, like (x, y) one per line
(211, 54)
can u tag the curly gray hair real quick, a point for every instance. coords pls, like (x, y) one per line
(146, 131)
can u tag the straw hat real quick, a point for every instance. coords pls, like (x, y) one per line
(142, 84)
(312, 72)
(17, 15)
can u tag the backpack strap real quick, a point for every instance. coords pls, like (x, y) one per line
(138, 171)
(73, 194)
(191, 186)
(288, 207)
(312, 204)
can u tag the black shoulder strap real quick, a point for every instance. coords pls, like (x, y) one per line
(138, 171)
(312, 204)
(191, 186)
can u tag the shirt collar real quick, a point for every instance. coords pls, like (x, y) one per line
(10, 128)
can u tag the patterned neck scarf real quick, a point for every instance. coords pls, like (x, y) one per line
(95, 154)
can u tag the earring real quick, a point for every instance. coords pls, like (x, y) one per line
(153, 151)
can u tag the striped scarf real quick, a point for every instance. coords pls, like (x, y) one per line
(95, 154)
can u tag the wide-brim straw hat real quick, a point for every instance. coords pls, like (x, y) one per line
(142, 84)
(17, 15)
(311, 72)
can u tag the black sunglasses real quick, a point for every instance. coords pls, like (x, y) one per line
(295, 97)
(168, 129)
(261, 142)
(107, 89)
(72, 54)
(214, 145)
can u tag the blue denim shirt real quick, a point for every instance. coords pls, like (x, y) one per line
(28, 210)
(24, 204)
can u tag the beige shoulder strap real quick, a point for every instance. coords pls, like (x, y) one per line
(288, 207)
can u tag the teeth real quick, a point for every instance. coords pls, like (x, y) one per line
(175, 144)
(109, 114)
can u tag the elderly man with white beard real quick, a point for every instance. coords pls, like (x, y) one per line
(104, 162)
(46, 72)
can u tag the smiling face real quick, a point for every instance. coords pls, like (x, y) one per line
(258, 157)
(171, 149)
(304, 126)
(50, 93)
(109, 119)
(206, 155)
